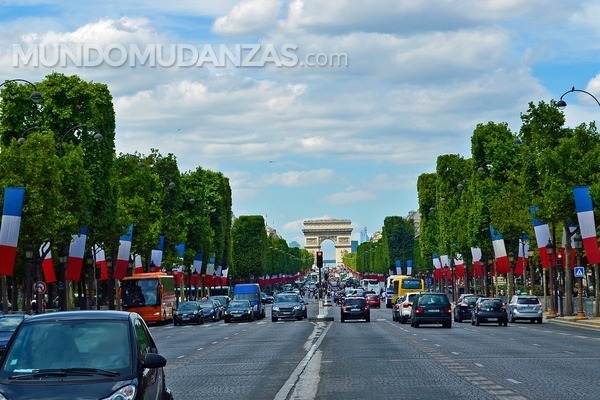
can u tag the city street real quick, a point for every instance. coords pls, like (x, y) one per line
(380, 359)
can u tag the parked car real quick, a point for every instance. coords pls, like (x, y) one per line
(8, 325)
(287, 305)
(404, 305)
(525, 307)
(431, 308)
(94, 354)
(489, 310)
(188, 312)
(238, 310)
(464, 307)
(373, 300)
(355, 308)
(212, 309)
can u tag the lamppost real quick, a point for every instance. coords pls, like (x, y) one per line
(550, 251)
(452, 271)
(511, 282)
(561, 104)
(35, 95)
(29, 254)
(578, 240)
(531, 273)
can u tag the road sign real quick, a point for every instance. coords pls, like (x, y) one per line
(579, 272)
(40, 287)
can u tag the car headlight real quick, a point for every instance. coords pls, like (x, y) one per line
(125, 393)
(275, 308)
(297, 307)
(195, 312)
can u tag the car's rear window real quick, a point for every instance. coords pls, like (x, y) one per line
(527, 300)
(355, 302)
(411, 297)
(471, 299)
(491, 303)
(430, 299)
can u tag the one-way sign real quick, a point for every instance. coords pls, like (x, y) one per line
(579, 272)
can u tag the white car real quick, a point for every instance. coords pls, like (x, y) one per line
(404, 307)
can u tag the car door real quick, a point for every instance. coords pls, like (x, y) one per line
(151, 380)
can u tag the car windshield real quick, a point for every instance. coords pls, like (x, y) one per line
(471, 300)
(57, 344)
(187, 306)
(237, 304)
(9, 324)
(286, 298)
(206, 304)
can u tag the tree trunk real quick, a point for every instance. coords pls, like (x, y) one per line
(4, 295)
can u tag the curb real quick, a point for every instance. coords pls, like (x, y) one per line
(593, 323)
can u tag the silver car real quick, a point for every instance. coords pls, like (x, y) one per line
(525, 307)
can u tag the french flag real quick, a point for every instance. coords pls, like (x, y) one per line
(523, 255)
(138, 266)
(502, 262)
(477, 269)
(123, 255)
(437, 265)
(587, 225)
(445, 267)
(47, 264)
(101, 262)
(542, 235)
(157, 254)
(399, 267)
(76, 253)
(198, 263)
(460, 265)
(9, 231)
(409, 267)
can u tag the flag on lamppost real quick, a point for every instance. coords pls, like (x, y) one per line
(477, 268)
(502, 262)
(9, 231)
(76, 253)
(157, 254)
(47, 264)
(437, 266)
(542, 235)
(408, 267)
(587, 225)
(138, 265)
(399, 267)
(460, 265)
(523, 255)
(101, 262)
(123, 255)
(563, 250)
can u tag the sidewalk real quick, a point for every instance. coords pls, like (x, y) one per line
(590, 323)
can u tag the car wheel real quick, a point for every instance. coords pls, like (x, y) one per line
(368, 318)
(539, 320)
(532, 320)
(198, 322)
(416, 324)
(402, 319)
(227, 320)
(174, 323)
(505, 323)
(342, 320)
(273, 319)
(447, 325)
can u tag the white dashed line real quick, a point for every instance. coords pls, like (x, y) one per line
(479, 365)
(513, 381)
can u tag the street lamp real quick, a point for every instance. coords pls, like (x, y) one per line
(550, 251)
(578, 240)
(97, 135)
(561, 104)
(452, 271)
(511, 284)
(29, 255)
(35, 96)
(531, 274)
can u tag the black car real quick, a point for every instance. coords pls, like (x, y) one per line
(431, 308)
(8, 325)
(238, 310)
(95, 354)
(490, 310)
(355, 308)
(287, 305)
(188, 312)
(464, 307)
(212, 309)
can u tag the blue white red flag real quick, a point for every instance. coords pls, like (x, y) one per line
(76, 254)
(100, 262)
(157, 254)
(123, 255)
(477, 268)
(47, 264)
(9, 231)
(542, 236)
(587, 225)
(502, 262)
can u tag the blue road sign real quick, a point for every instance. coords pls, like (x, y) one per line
(579, 272)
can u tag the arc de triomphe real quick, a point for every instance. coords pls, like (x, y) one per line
(337, 230)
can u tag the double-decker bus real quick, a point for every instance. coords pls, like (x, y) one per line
(403, 284)
(152, 295)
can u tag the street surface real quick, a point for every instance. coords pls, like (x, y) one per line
(377, 360)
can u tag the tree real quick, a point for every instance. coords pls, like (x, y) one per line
(249, 240)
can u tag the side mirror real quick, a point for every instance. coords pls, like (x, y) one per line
(153, 360)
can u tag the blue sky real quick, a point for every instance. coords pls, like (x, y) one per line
(344, 141)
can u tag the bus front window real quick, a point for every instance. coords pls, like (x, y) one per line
(139, 293)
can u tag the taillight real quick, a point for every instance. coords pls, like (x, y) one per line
(405, 304)
(448, 310)
(418, 311)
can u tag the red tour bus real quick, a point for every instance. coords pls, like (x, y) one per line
(152, 295)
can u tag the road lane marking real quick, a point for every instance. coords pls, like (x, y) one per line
(513, 381)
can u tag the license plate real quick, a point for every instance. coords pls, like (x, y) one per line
(355, 309)
(185, 318)
(492, 319)
(433, 310)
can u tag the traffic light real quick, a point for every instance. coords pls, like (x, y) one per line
(319, 259)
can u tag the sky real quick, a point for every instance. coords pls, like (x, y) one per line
(312, 109)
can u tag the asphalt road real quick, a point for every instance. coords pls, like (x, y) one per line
(377, 360)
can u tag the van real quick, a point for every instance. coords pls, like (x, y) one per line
(252, 293)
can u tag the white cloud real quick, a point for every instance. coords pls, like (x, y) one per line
(349, 196)
(248, 16)
(296, 178)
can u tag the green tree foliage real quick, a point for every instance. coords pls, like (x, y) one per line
(249, 241)
(399, 237)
